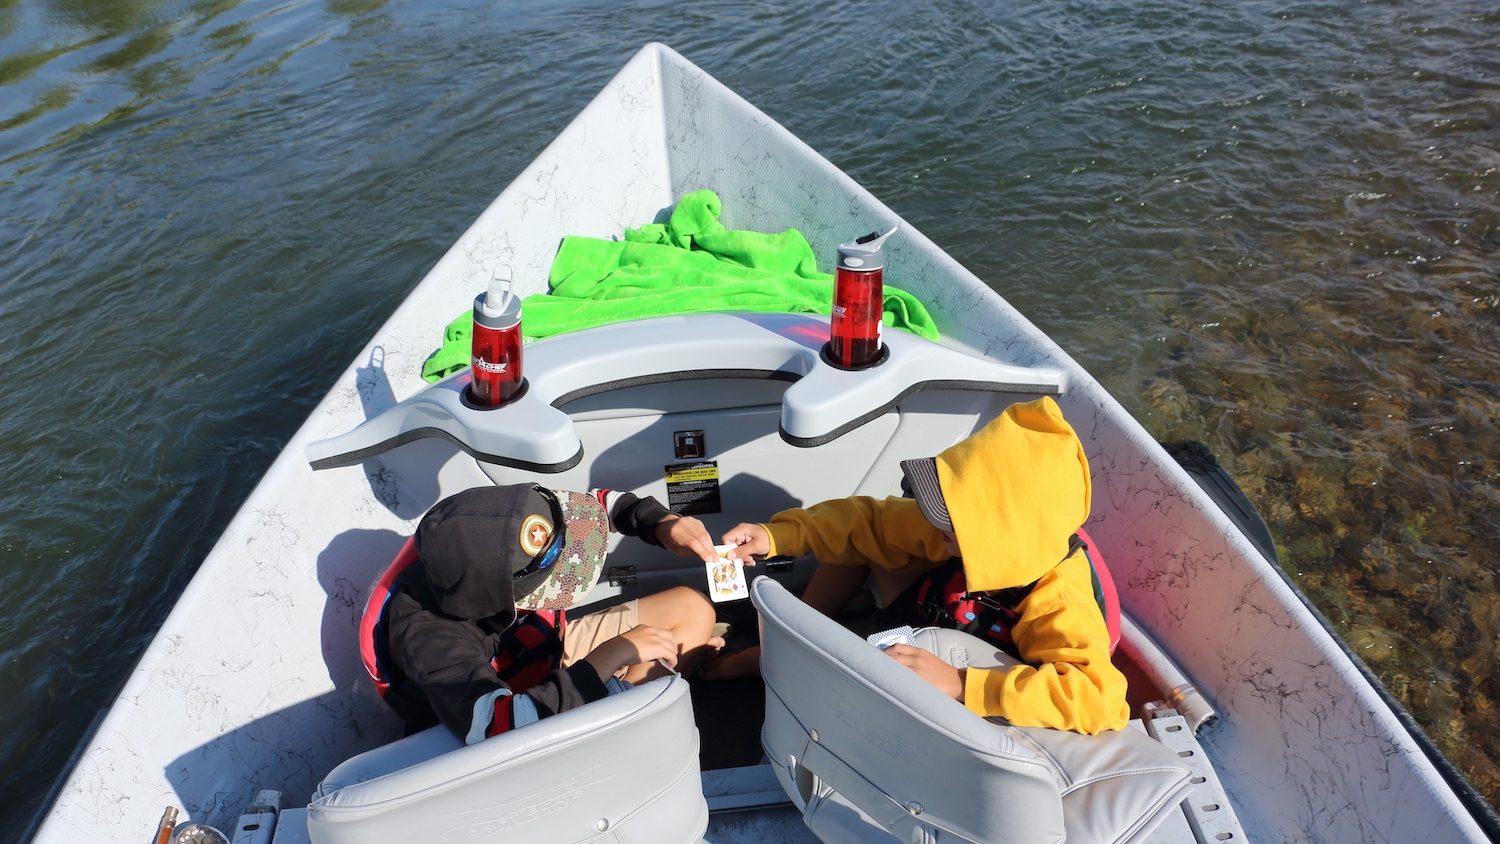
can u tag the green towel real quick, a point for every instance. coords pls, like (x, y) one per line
(689, 264)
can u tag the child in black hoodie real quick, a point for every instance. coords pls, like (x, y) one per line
(476, 628)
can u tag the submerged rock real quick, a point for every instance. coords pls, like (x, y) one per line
(1374, 644)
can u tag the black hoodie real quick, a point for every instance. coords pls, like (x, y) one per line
(454, 610)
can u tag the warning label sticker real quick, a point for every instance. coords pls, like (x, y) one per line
(693, 488)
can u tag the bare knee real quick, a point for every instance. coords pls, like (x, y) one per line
(698, 616)
(685, 611)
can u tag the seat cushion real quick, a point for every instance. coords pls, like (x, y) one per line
(403, 753)
(1116, 786)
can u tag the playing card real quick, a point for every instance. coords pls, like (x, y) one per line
(726, 577)
(902, 635)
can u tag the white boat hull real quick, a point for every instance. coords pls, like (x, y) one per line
(254, 679)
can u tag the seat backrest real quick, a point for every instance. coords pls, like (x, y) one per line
(626, 765)
(870, 751)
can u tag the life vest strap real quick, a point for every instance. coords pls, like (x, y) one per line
(942, 600)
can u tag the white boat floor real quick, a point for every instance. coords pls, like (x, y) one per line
(780, 823)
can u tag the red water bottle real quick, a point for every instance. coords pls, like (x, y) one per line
(858, 300)
(496, 363)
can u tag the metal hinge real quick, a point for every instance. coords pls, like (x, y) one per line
(1205, 804)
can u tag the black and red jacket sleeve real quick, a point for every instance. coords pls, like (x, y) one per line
(448, 661)
(633, 515)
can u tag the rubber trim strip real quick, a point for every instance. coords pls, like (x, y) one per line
(349, 458)
(936, 384)
(670, 377)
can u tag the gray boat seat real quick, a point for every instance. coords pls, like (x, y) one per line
(870, 752)
(624, 768)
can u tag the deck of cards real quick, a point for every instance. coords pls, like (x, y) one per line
(726, 577)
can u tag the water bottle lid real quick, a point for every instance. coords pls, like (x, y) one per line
(863, 253)
(503, 314)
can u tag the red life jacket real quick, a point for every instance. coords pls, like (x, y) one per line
(530, 649)
(372, 642)
(943, 600)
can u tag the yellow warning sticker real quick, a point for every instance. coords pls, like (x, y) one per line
(693, 488)
(692, 472)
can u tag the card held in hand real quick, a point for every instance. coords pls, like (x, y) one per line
(726, 577)
(902, 635)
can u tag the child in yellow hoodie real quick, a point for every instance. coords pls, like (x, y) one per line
(986, 546)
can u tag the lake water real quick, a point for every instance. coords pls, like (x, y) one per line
(1269, 226)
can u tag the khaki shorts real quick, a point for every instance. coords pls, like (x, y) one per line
(586, 632)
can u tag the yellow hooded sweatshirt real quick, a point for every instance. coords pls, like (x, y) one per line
(1016, 490)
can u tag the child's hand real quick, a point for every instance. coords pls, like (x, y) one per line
(685, 536)
(640, 643)
(947, 679)
(751, 541)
